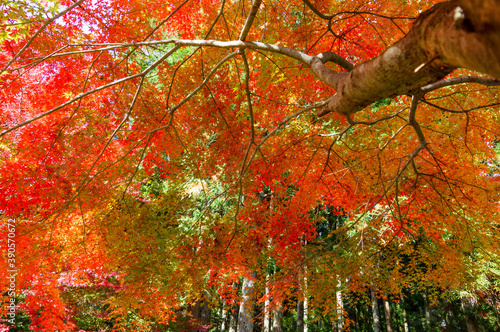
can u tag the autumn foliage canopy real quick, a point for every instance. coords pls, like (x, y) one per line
(164, 150)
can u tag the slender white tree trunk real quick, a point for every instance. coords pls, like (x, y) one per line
(223, 320)
(267, 313)
(405, 319)
(306, 308)
(376, 316)
(267, 316)
(340, 307)
(306, 317)
(245, 318)
(387, 310)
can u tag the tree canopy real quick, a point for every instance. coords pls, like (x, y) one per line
(165, 150)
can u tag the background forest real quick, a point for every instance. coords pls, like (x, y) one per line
(230, 165)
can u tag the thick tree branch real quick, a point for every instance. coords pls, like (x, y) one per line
(316, 63)
(450, 35)
(335, 58)
(250, 18)
(302, 57)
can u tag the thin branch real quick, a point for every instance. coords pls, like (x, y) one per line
(297, 55)
(316, 63)
(401, 171)
(86, 178)
(310, 162)
(205, 81)
(374, 14)
(139, 162)
(316, 11)
(460, 80)
(248, 94)
(412, 122)
(464, 111)
(72, 114)
(281, 124)
(18, 54)
(317, 66)
(19, 23)
(166, 19)
(84, 94)
(353, 122)
(330, 17)
(250, 143)
(246, 165)
(250, 19)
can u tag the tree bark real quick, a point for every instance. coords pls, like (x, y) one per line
(300, 315)
(201, 313)
(306, 314)
(267, 317)
(245, 318)
(387, 310)
(376, 316)
(205, 313)
(471, 324)
(233, 319)
(278, 318)
(405, 319)
(452, 34)
(340, 308)
(470, 320)
(223, 320)
(302, 304)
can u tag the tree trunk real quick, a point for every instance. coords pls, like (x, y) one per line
(205, 313)
(223, 320)
(387, 310)
(340, 310)
(233, 319)
(427, 312)
(267, 317)
(452, 34)
(245, 318)
(201, 313)
(306, 308)
(300, 315)
(278, 318)
(470, 320)
(405, 319)
(306, 312)
(356, 317)
(471, 324)
(448, 319)
(376, 316)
